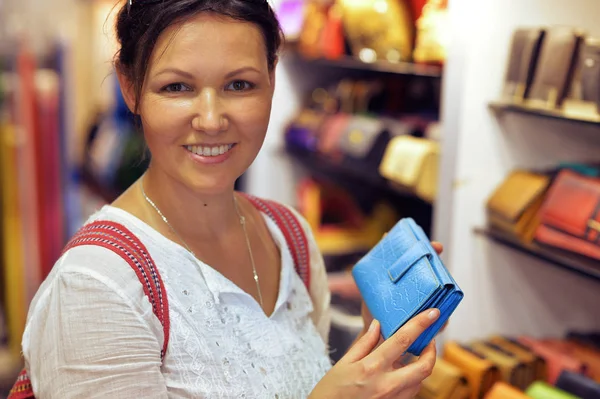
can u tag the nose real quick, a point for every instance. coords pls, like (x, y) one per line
(209, 118)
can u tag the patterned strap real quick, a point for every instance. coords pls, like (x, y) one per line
(123, 242)
(293, 232)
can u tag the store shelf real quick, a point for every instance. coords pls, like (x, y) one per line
(582, 266)
(503, 107)
(321, 166)
(353, 63)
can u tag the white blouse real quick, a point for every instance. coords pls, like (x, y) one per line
(91, 332)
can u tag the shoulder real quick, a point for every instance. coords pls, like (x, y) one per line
(284, 215)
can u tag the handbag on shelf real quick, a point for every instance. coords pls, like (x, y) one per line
(570, 215)
(534, 363)
(589, 356)
(412, 163)
(303, 131)
(590, 72)
(513, 207)
(556, 360)
(338, 224)
(513, 371)
(480, 372)
(403, 276)
(374, 35)
(543, 390)
(556, 65)
(364, 141)
(522, 62)
(433, 31)
(445, 382)
(331, 133)
(502, 390)
(579, 385)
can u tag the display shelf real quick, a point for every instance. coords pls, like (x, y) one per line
(500, 108)
(576, 264)
(322, 166)
(353, 63)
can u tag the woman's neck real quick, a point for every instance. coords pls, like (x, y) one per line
(193, 215)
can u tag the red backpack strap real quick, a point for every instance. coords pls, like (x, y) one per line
(124, 243)
(293, 232)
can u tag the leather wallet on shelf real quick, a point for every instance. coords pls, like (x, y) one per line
(412, 163)
(589, 356)
(556, 360)
(480, 372)
(522, 62)
(590, 71)
(513, 371)
(445, 382)
(556, 65)
(579, 385)
(570, 215)
(502, 390)
(514, 205)
(543, 390)
(534, 363)
(403, 276)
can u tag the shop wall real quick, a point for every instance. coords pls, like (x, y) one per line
(505, 292)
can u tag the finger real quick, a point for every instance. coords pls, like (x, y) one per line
(397, 344)
(439, 248)
(364, 345)
(414, 373)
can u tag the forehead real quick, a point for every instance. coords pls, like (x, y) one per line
(209, 38)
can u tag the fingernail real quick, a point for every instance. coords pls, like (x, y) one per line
(433, 314)
(373, 325)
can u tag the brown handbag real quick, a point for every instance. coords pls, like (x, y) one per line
(556, 65)
(375, 35)
(570, 215)
(445, 382)
(535, 363)
(513, 206)
(480, 373)
(524, 52)
(513, 370)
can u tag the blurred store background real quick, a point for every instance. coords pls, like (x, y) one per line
(472, 117)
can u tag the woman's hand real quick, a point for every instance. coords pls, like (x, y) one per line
(368, 318)
(366, 372)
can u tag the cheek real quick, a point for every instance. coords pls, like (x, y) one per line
(163, 121)
(252, 119)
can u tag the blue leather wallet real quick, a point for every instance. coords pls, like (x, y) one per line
(403, 276)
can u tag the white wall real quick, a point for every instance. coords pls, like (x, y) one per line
(505, 292)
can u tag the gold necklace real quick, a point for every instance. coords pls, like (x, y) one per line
(242, 222)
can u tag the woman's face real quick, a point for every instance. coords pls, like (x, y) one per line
(206, 101)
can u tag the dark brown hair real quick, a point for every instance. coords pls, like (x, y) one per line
(140, 23)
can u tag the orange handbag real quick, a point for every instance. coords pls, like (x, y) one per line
(570, 215)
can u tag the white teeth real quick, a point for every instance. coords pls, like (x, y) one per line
(209, 151)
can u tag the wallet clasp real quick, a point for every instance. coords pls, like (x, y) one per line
(418, 251)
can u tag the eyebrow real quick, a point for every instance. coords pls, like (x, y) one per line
(240, 70)
(190, 76)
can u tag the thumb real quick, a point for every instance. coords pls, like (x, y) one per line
(364, 345)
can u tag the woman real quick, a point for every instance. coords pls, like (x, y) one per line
(200, 74)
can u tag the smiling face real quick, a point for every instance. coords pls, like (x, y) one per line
(206, 101)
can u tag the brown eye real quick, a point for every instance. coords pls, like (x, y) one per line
(175, 87)
(240, 85)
